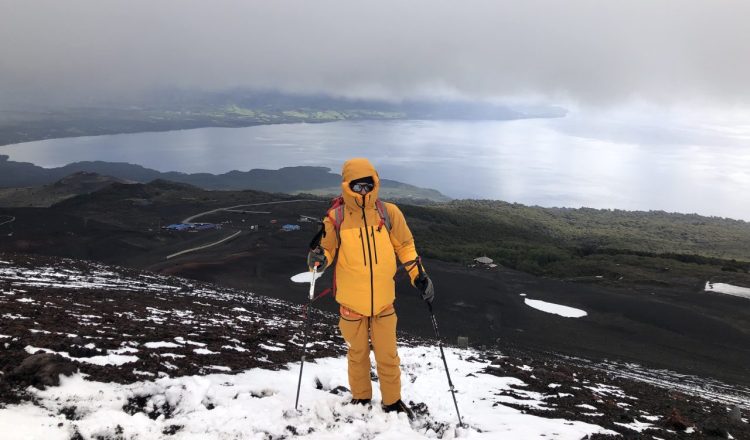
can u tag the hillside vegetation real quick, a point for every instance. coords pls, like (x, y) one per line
(601, 245)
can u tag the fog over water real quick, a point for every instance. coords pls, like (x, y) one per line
(604, 162)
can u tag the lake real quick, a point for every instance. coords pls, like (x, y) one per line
(601, 162)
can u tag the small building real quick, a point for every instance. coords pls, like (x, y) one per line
(193, 227)
(289, 228)
(177, 227)
(483, 260)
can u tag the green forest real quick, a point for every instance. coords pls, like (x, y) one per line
(586, 245)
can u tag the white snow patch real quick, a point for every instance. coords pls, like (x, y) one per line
(305, 277)
(25, 300)
(270, 348)
(109, 359)
(260, 404)
(204, 351)
(4, 336)
(586, 406)
(31, 422)
(11, 316)
(172, 355)
(568, 312)
(728, 289)
(183, 341)
(635, 426)
(219, 367)
(161, 345)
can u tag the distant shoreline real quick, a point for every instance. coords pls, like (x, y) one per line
(22, 127)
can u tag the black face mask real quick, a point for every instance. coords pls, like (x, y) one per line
(366, 183)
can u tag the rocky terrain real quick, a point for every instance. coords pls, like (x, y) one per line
(108, 325)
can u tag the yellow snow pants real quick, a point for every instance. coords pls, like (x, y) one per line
(358, 331)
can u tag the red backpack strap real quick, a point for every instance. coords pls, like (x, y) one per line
(336, 215)
(385, 219)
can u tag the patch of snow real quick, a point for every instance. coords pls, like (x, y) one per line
(305, 277)
(184, 341)
(220, 368)
(586, 406)
(4, 336)
(32, 422)
(172, 355)
(46, 332)
(635, 426)
(161, 345)
(270, 348)
(204, 351)
(260, 404)
(109, 359)
(234, 347)
(25, 300)
(603, 390)
(568, 312)
(743, 292)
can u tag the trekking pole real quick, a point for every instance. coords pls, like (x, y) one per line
(442, 354)
(308, 319)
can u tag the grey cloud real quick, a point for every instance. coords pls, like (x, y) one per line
(596, 52)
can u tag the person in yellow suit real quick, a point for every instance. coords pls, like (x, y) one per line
(365, 252)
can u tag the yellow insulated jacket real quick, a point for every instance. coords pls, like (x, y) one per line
(367, 253)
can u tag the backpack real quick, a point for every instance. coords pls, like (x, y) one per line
(336, 214)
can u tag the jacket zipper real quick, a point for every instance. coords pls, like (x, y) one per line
(369, 252)
(374, 243)
(362, 241)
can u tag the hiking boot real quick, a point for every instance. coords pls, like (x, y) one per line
(400, 407)
(363, 402)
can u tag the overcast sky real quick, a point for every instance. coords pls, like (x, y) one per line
(594, 52)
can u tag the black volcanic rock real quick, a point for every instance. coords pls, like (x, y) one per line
(42, 370)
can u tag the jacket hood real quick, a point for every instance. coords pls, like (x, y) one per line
(354, 169)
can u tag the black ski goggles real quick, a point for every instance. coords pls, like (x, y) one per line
(358, 187)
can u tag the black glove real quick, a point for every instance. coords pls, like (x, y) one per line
(424, 284)
(317, 256)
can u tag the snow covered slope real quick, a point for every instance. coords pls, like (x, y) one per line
(148, 356)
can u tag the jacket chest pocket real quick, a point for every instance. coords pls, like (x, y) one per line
(365, 246)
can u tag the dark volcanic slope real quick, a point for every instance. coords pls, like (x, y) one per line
(683, 329)
(120, 325)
